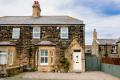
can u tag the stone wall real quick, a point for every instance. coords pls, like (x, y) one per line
(69, 54)
(48, 32)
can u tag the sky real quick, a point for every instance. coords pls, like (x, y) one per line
(102, 15)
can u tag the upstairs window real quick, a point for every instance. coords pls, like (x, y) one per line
(64, 32)
(16, 33)
(36, 32)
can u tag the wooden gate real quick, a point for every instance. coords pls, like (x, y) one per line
(92, 63)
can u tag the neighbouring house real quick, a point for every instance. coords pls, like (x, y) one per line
(41, 42)
(104, 47)
(88, 49)
(118, 47)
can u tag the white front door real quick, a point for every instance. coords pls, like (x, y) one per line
(77, 62)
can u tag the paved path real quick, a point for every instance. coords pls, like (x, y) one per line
(65, 76)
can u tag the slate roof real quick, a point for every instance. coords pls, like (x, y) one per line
(39, 20)
(45, 43)
(106, 41)
(7, 43)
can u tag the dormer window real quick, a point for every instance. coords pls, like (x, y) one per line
(16, 33)
(64, 33)
(36, 32)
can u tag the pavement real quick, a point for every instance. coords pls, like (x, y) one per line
(94, 75)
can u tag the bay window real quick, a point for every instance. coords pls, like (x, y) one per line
(10, 55)
(3, 57)
(52, 57)
(44, 57)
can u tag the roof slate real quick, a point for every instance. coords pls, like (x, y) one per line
(88, 46)
(45, 43)
(106, 41)
(39, 20)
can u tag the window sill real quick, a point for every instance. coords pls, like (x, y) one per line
(44, 64)
(36, 38)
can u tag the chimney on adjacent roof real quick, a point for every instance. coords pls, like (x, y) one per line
(36, 9)
(94, 34)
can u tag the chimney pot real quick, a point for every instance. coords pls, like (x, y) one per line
(36, 9)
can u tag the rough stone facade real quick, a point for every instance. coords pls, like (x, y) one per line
(27, 52)
(69, 54)
(48, 32)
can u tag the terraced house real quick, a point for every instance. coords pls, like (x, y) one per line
(105, 47)
(44, 43)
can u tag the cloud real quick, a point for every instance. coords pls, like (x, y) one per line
(105, 7)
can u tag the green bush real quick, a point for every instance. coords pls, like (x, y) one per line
(64, 64)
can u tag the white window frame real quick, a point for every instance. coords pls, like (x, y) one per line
(36, 30)
(44, 56)
(11, 56)
(5, 62)
(64, 32)
(16, 33)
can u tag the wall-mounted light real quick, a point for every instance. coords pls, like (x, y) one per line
(58, 28)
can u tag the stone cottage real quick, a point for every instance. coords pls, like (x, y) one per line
(104, 47)
(41, 42)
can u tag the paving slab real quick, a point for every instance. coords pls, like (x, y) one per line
(94, 75)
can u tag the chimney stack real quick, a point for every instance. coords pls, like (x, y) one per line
(36, 9)
(94, 34)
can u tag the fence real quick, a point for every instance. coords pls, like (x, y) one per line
(107, 60)
(92, 63)
(111, 66)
